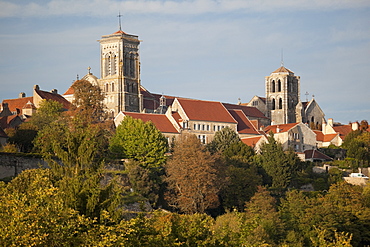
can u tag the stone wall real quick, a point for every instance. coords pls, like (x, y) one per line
(12, 164)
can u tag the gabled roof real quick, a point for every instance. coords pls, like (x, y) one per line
(282, 69)
(249, 111)
(202, 110)
(70, 91)
(281, 127)
(18, 103)
(315, 154)
(54, 96)
(161, 122)
(324, 138)
(244, 125)
(251, 141)
(5, 122)
(343, 130)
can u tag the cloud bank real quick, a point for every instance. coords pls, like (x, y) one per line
(98, 8)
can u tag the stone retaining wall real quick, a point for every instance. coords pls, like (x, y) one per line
(12, 164)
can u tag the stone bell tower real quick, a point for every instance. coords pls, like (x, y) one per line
(120, 72)
(282, 96)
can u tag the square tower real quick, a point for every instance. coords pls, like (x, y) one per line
(282, 96)
(120, 72)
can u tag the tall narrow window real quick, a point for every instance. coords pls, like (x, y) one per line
(279, 85)
(106, 87)
(280, 103)
(112, 87)
(273, 104)
(273, 86)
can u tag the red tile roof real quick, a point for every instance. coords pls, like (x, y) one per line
(205, 110)
(315, 154)
(324, 138)
(18, 103)
(69, 91)
(251, 141)
(282, 127)
(244, 125)
(249, 111)
(343, 130)
(53, 96)
(283, 69)
(159, 120)
(5, 122)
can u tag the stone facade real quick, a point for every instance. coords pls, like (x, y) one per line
(282, 96)
(120, 72)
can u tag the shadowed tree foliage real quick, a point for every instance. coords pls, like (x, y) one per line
(192, 176)
(23, 137)
(279, 165)
(222, 140)
(88, 102)
(240, 176)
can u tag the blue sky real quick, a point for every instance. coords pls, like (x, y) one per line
(205, 49)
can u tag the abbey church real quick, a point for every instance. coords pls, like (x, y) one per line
(125, 96)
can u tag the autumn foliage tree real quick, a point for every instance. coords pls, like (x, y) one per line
(192, 176)
(88, 101)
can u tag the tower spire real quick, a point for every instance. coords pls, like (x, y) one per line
(119, 20)
(282, 57)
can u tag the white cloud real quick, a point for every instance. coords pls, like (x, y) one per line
(193, 7)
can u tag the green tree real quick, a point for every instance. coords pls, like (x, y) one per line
(192, 176)
(48, 112)
(222, 140)
(279, 165)
(23, 137)
(33, 213)
(357, 144)
(139, 141)
(240, 176)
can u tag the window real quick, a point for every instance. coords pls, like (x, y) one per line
(280, 103)
(199, 127)
(185, 124)
(214, 127)
(106, 87)
(202, 139)
(195, 127)
(203, 127)
(273, 86)
(279, 85)
(273, 104)
(112, 87)
(207, 127)
(255, 103)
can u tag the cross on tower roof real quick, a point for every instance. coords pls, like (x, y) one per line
(119, 20)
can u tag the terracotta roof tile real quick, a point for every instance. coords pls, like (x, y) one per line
(315, 154)
(18, 103)
(206, 110)
(69, 91)
(282, 69)
(249, 111)
(244, 125)
(5, 122)
(160, 121)
(343, 130)
(251, 141)
(282, 128)
(324, 138)
(53, 96)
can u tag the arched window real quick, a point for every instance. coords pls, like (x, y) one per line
(279, 86)
(312, 119)
(112, 87)
(273, 104)
(109, 65)
(106, 87)
(113, 65)
(280, 103)
(273, 86)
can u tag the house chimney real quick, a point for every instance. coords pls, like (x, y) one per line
(54, 91)
(330, 122)
(36, 87)
(355, 126)
(21, 95)
(277, 129)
